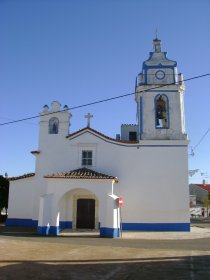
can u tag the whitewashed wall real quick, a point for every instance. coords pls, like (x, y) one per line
(152, 178)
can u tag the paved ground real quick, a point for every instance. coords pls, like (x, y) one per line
(24, 255)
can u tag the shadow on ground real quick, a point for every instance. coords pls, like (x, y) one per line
(196, 267)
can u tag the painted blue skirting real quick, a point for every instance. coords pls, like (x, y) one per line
(48, 230)
(156, 226)
(65, 224)
(109, 232)
(54, 230)
(21, 222)
(43, 230)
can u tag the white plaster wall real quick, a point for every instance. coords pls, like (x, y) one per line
(21, 198)
(152, 178)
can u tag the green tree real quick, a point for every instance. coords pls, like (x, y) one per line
(4, 192)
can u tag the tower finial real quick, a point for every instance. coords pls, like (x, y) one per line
(156, 33)
(156, 44)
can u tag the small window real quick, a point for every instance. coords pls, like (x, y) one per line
(53, 126)
(161, 108)
(132, 136)
(87, 158)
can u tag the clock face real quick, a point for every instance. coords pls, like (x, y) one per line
(160, 75)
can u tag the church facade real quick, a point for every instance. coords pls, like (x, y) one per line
(80, 176)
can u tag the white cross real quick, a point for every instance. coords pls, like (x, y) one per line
(88, 116)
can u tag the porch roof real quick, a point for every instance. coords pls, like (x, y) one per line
(81, 173)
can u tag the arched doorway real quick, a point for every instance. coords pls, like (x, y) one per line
(79, 209)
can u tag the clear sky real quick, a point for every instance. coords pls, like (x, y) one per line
(80, 51)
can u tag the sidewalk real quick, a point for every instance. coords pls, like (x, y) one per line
(196, 232)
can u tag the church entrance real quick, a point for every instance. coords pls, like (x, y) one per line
(85, 214)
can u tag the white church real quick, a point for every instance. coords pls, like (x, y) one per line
(80, 176)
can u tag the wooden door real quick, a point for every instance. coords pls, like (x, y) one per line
(86, 213)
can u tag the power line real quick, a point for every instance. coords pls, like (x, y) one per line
(106, 100)
(199, 142)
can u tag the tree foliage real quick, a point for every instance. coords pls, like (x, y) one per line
(4, 192)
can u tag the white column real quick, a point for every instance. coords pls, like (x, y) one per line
(109, 217)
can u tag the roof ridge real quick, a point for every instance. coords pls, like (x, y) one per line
(101, 134)
(81, 173)
(27, 175)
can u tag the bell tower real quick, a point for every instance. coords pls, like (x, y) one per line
(159, 95)
(54, 125)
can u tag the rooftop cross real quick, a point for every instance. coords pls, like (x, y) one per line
(88, 117)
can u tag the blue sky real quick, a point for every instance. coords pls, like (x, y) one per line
(81, 51)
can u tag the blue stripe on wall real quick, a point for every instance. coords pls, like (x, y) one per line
(156, 226)
(21, 222)
(65, 224)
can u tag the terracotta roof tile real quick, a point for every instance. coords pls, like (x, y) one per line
(81, 173)
(205, 187)
(21, 177)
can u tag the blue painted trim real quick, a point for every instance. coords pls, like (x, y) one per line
(165, 56)
(165, 146)
(21, 222)
(109, 232)
(141, 116)
(48, 230)
(54, 230)
(154, 90)
(43, 230)
(159, 66)
(65, 224)
(156, 226)
(167, 111)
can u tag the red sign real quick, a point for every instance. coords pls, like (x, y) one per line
(120, 201)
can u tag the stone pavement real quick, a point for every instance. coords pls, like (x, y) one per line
(24, 255)
(196, 232)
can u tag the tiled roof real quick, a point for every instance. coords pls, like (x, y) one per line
(81, 173)
(205, 187)
(100, 134)
(21, 177)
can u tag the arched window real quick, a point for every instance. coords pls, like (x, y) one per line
(53, 126)
(161, 111)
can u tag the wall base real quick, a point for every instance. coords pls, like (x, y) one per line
(109, 232)
(65, 224)
(48, 230)
(21, 222)
(156, 226)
